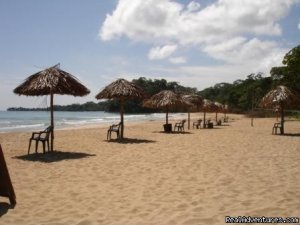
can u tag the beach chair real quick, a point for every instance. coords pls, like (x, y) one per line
(179, 125)
(197, 124)
(42, 136)
(208, 124)
(114, 128)
(276, 126)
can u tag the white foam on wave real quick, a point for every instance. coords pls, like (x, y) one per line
(65, 119)
(5, 122)
(22, 127)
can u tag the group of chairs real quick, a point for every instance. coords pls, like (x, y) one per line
(206, 124)
(179, 126)
(44, 136)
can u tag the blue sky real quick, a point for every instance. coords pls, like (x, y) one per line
(196, 43)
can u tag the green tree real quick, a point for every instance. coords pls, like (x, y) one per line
(289, 74)
(242, 95)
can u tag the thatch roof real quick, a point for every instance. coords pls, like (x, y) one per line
(280, 95)
(165, 99)
(121, 88)
(208, 105)
(196, 101)
(218, 106)
(52, 80)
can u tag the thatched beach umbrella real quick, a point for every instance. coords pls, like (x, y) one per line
(166, 100)
(196, 102)
(121, 90)
(206, 107)
(49, 82)
(218, 108)
(225, 110)
(280, 97)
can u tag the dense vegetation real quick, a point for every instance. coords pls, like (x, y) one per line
(289, 74)
(241, 95)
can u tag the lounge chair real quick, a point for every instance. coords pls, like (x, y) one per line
(179, 125)
(114, 128)
(197, 124)
(42, 136)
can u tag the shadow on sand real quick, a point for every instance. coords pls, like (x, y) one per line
(130, 141)
(291, 135)
(54, 156)
(173, 132)
(4, 207)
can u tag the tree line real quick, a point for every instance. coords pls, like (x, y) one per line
(240, 96)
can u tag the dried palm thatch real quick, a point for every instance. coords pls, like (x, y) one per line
(121, 90)
(167, 100)
(207, 105)
(219, 106)
(279, 97)
(49, 82)
(196, 102)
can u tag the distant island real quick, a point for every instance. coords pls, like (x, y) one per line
(88, 106)
(106, 106)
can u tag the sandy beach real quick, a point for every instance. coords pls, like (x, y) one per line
(196, 177)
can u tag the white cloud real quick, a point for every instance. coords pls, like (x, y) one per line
(227, 30)
(299, 25)
(141, 20)
(193, 6)
(240, 51)
(155, 20)
(177, 60)
(161, 52)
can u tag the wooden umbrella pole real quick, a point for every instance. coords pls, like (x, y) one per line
(204, 122)
(52, 120)
(167, 115)
(189, 120)
(122, 117)
(282, 118)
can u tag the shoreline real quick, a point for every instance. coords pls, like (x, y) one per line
(64, 120)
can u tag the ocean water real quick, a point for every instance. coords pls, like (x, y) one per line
(37, 120)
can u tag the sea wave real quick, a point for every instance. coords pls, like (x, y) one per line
(21, 127)
(20, 121)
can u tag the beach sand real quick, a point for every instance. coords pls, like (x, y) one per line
(154, 178)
